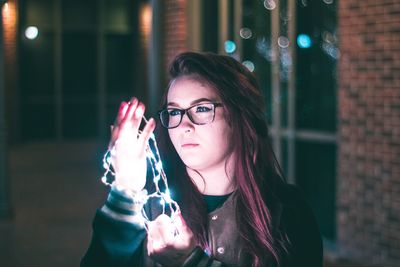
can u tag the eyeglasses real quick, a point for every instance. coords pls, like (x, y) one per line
(199, 114)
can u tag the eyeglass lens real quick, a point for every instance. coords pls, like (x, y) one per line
(198, 114)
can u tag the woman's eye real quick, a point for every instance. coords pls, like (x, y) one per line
(174, 112)
(203, 109)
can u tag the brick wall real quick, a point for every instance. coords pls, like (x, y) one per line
(369, 129)
(10, 24)
(175, 30)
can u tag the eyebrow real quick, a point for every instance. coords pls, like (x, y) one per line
(203, 99)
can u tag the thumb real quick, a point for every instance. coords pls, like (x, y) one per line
(180, 224)
(178, 220)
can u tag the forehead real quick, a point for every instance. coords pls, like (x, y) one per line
(184, 90)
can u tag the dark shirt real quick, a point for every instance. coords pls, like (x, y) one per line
(116, 241)
(213, 202)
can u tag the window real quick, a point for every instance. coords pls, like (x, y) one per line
(291, 46)
(80, 66)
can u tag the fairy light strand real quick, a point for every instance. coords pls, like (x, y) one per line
(152, 156)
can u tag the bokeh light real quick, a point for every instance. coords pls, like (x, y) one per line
(264, 49)
(328, 37)
(270, 4)
(31, 32)
(230, 46)
(246, 33)
(249, 65)
(331, 50)
(304, 41)
(283, 42)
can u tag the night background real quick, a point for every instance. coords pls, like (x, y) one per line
(329, 70)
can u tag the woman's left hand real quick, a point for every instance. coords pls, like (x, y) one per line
(164, 246)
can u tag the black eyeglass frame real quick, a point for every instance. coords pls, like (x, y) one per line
(185, 111)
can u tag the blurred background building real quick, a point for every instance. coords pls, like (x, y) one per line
(329, 69)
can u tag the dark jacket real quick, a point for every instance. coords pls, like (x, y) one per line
(116, 241)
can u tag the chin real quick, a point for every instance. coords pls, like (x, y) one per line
(193, 164)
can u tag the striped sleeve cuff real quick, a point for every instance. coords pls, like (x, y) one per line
(120, 206)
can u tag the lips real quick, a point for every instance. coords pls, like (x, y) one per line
(189, 145)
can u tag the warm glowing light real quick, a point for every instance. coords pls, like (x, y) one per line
(31, 32)
(145, 20)
(9, 14)
(9, 21)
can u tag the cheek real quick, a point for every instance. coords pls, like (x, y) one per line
(220, 137)
(173, 137)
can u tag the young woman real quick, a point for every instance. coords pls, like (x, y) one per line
(236, 209)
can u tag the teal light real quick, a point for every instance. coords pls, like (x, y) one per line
(230, 47)
(303, 41)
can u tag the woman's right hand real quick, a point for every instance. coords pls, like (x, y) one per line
(129, 157)
(170, 241)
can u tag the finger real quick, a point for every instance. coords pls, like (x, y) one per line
(155, 237)
(115, 128)
(126, 130)
(133, 99)
(153, 231)
(181, 225)
(131, 123)
(150, 249)
(145, 135)
(137, 116)
(179, 221)
(166, 229)
(121, 112)
(131, 110)
(185, 234)
(131, 107)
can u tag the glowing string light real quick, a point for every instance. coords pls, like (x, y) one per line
(153, 156)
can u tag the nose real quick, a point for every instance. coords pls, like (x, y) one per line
(186, 123)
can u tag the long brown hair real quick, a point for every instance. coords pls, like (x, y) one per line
(257, 173)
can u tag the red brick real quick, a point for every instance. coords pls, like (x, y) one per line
(369, 127)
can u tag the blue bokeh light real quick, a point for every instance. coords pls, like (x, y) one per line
(304, 41)
(230, 47)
